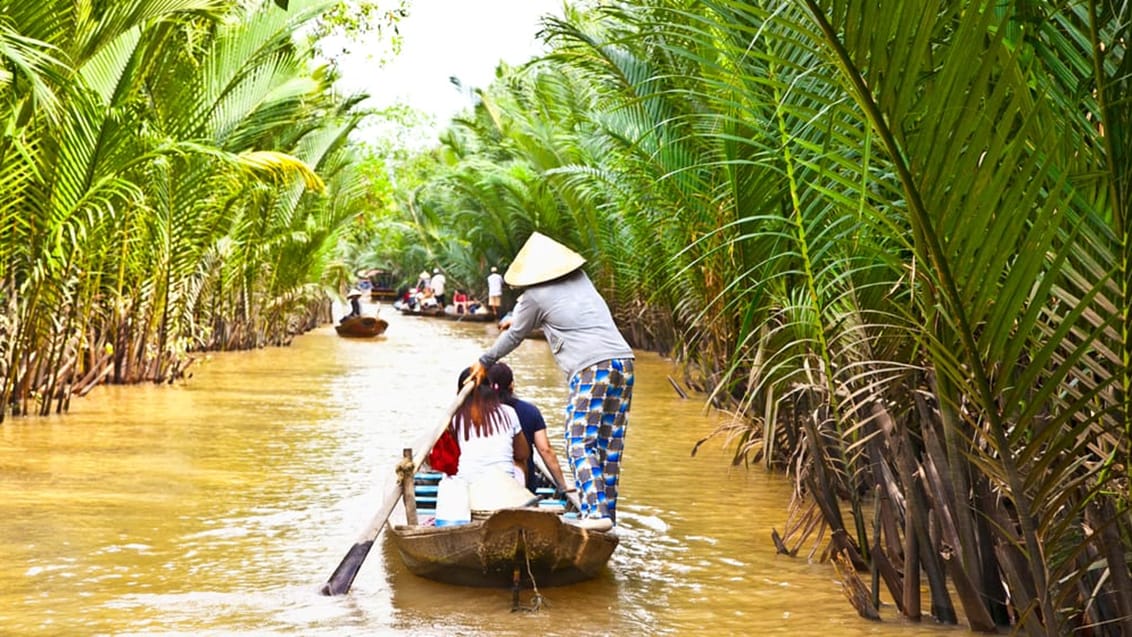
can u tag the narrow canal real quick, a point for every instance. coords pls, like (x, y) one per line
(218, 506)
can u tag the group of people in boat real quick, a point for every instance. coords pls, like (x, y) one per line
(496, 431)
(429, 295)
(496, 435)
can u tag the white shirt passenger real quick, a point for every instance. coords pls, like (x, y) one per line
(479, 454)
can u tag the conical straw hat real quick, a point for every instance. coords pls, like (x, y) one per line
(541, 259)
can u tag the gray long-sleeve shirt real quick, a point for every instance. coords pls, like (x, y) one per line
(577, 323)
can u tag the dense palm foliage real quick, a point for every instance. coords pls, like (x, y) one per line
(893, 239)
(175, 176)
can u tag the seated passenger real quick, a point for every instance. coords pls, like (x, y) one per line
(490, 437)
(355, 296)
(460, 302)
(502, 380)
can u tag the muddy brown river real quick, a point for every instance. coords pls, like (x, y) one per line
(219, 505)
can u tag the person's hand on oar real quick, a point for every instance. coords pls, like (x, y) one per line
(478, 374)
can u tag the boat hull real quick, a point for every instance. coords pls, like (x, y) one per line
(361, 327)
(469, 317)
(435, 311)
(487, 552)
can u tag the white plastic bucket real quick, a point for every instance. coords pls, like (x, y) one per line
(452, 504)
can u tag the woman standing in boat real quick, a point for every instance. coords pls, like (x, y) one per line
(559, 297)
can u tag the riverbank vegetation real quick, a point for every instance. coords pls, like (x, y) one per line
(893, 242)
(176, 178)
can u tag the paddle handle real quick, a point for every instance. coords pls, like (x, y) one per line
(343, 576)
(420, 448)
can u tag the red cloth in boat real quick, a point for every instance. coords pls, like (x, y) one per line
(445, 454)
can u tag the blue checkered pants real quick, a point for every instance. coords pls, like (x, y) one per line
(596, 418)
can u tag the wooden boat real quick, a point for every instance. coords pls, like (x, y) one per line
(495, 547)
(487, 552)
(435, 310)
(468, 317)
(361, 327)
(381, 284)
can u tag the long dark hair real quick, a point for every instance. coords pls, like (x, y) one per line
(481, 409)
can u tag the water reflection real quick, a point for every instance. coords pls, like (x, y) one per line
(220, 505)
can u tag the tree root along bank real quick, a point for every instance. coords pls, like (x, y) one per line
(43, 381)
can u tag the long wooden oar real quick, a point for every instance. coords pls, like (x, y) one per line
(343, 576)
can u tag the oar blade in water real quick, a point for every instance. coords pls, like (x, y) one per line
(343, 577)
